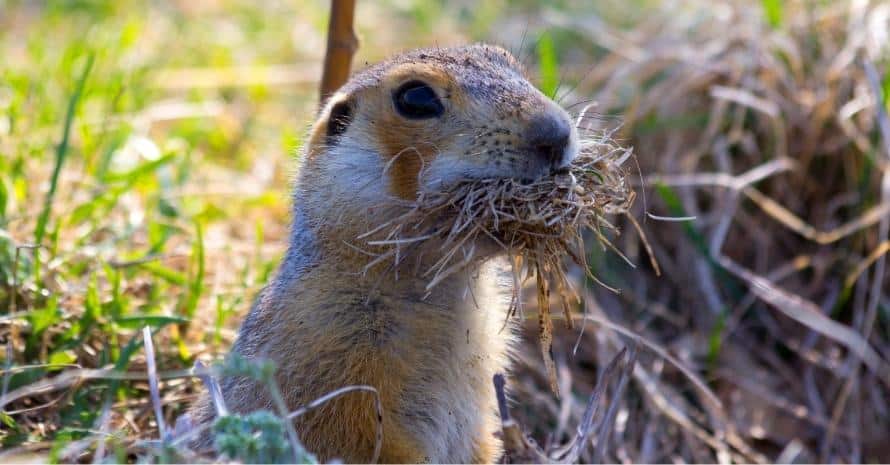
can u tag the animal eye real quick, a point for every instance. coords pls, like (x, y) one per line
(416, 100)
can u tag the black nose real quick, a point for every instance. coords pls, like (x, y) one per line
(548, 135)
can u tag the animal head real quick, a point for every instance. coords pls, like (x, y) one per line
(424, 120)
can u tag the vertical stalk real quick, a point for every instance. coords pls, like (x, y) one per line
(342, 44)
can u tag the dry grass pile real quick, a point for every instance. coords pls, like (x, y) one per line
(537, 222)
(768, 130)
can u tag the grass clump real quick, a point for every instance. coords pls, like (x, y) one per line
(760, 124)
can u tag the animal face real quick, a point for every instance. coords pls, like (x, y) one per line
(430, 118)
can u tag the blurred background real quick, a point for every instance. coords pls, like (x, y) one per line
(146, 151)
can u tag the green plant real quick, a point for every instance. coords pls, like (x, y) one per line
(258, 437)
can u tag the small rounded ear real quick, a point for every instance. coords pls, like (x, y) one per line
(339, 119)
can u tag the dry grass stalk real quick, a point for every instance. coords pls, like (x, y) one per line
(520, 448)
(342, 44)
(154, 392)
(770, 133)
(378, 408)
(538, 223)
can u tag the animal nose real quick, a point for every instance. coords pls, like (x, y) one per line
(548, 135)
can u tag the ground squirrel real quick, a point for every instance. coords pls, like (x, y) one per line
(421, 120)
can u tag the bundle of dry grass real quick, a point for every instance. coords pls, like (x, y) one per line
(772, 137)
(537, 222)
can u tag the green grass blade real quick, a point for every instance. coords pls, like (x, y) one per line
(548, 64)
(772, 9)
(4, 200)
(167, 274)
(139, 321)
(61, 151)
(196, 285)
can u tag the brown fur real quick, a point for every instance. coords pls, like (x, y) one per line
(327, 325)
(409, 145)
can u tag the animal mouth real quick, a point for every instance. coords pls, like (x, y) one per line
(527, 176)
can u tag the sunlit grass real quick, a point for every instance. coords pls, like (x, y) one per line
(146, 151)
(121, 203)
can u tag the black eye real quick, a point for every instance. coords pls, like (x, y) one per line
(416, 100)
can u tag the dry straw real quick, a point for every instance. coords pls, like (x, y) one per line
(538, 223)
(766, 126)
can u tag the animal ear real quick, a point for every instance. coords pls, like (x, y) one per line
(339, 119)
